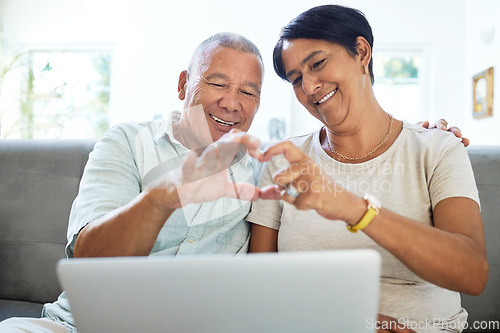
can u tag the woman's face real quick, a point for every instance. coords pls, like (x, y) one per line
(326, 79)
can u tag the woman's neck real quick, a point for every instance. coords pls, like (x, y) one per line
(362, 136)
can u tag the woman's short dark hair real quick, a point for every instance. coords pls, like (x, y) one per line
(333, 23)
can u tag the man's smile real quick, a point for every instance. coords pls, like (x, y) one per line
(222, 122)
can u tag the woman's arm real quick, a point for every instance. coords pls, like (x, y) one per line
(451, 254)
(263, 239)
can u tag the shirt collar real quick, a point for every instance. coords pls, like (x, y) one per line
(166, 127)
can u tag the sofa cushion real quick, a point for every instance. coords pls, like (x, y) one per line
(11, 308)
(40, 180)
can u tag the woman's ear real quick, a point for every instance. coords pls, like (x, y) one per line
(181, 86)
(364, 50)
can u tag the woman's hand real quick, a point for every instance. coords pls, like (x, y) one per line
(315, 189)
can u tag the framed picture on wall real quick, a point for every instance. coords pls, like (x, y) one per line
(482, 92)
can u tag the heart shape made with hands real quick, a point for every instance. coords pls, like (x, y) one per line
(207, 174)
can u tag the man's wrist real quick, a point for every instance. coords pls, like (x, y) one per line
(161, 200)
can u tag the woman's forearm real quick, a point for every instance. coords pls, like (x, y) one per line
(451, 254)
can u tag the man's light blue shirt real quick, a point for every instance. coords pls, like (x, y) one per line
(124, 161)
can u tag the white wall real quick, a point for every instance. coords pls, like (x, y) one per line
(152, 41)
(482, 14)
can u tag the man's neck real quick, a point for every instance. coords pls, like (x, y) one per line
(192, 129)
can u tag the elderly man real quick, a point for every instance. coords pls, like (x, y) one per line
(139, 174)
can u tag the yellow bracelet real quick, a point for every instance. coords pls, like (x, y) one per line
(371, 212)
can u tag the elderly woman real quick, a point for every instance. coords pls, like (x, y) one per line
(400, 189)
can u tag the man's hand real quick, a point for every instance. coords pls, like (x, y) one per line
(443, 125)
(206, 177)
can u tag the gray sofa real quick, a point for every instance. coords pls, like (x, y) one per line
(39, 180)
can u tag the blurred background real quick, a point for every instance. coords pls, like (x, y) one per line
(72, 68)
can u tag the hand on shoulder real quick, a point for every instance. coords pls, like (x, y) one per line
(443, 125)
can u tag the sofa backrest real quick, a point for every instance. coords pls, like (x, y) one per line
(485, 162)
(39, 181)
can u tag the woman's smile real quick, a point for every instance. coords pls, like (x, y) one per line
(327, 97)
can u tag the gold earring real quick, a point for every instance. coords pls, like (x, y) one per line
(365, 69)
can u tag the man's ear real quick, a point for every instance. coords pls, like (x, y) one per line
(181, 86)
(364, 50)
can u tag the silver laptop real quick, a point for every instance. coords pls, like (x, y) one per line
(331, 291)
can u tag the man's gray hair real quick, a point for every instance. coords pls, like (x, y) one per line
(224, 39)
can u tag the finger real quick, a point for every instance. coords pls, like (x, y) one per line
(249, 140)
(441, 124)
(291, 152)
(244, 138)
(256, 153)
(465, 142)
(302, 198)
(228, 151)
(424, 124)
(209, 163)
(225, 153)
(270, 192)
(218, 157)
(285, 176)
(456, 131)
(286, 197)
(243, 142)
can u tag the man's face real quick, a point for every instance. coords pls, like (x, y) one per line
(227, 84)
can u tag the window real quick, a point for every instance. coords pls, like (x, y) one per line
(399, 81)
(62, 94)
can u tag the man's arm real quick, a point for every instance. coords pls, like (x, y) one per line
(132, 229)
(127, 231)
(111, 216)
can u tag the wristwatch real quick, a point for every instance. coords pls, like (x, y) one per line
(373, 207)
